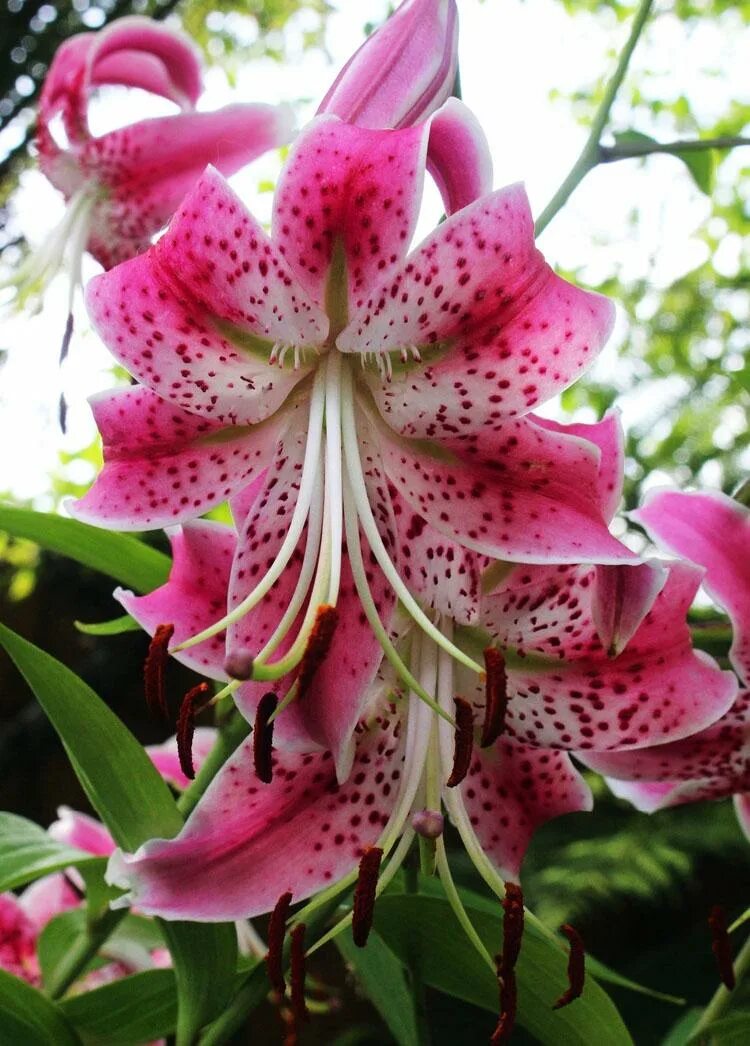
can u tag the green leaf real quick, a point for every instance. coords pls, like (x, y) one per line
(28, 1018)
(205, 958)
(27, 852)
(679, 1033)
(135, 805)
(134, 1009)
(57, 940)
(114, 770)
(732, 1030)
(115, 627)
(604, 973)
(701, 164)
(449, 963)
(383, 978)
(120, 556)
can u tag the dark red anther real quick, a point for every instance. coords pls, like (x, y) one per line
(463, 742)
(297, 974)
(496, 697)
(721, 946)
(66, 339)
(153, 671)
(193, 703)
(512, 926)
(364, 895)
(318, 645)
(576, 967)
(263, 738)
(276, 934)
(508, 1005)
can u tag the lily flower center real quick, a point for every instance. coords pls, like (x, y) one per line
(334, 507)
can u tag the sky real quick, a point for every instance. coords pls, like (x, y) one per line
(514, 55)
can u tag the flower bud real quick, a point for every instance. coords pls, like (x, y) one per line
(403, 72)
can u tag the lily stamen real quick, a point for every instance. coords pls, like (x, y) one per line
(721, 946)
(364, 895)
(318, 645)
(464, 742)
(297, 973)
(154, 668)
(276, 934)
(496, 697)
(263, 738)
(193, 703)
(576, 967)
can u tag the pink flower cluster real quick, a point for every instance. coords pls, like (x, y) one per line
(420, 567)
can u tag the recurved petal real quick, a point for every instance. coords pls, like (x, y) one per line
(139, 52)
(47, 897)
(620, 599)
(458, 156)
(194, 597)
(247, 843)
(163, 466)
(511, 790)
(148, 167)
(175, 347)
(609, 437)
(357, 188)
(519, 492)
(498, 332)
(717, 758)
(711, 529)
(659, 689)
(81, 831)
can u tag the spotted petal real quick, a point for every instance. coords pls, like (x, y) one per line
(713, 530)
(354, 187)
(458, 156)
(146, 168)
(168, 341)
(246, 843)
(498, 331)
(520, 493)
(511, 790)
(195, 596)
(565, 691)
(163, 465)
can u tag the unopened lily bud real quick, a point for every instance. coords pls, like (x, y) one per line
(428, 823)
(403, 72)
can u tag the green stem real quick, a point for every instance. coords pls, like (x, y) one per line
(413, 965)
(629, 150)
(590, 153)
(83, 951)
(721, 999)
(232, 734)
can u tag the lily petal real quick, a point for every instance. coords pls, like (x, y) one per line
(246, 843)
(497, 330)
(458, 156)
(349, 186)
(81, 831)
(609, 437)
(659, 689)
(158, 332)
(511, 790)
(621, 598)
(47, 897)
(403, 71)
(713, 530)
(520, 493)
(147, 168)
(194, 597)
(163, 465)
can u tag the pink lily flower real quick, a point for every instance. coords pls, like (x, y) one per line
(713, 531)
(24, 917)
(553, 685)
(403, 72)
(122, 187)
(319, 368)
